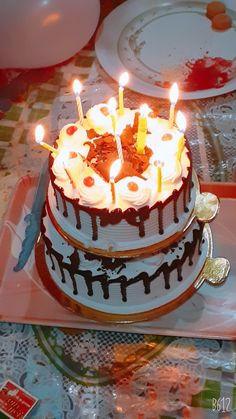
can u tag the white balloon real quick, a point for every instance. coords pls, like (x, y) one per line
(40, 33)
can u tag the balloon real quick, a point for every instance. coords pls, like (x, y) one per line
(40, 33)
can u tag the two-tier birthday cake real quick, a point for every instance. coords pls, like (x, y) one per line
(119, 231)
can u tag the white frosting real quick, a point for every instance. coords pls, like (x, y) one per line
(163, 151)
(122, 236)
(171, 171)
(137, 300)
(67, 164)
(58, 169)
(96, 119)
(91, 195)
(147, 193)
(101, 123)
(100, 195)
(74, 141)
(137, 198)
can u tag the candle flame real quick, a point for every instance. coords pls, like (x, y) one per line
(174, 93)
(144, 110)
(124, 78)
(115, 168)
(112, 104)
(181, 121)
(77, 87)
(39, 134)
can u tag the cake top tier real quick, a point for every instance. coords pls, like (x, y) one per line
(114, 160)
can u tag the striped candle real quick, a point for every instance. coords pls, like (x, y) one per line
(119, 148)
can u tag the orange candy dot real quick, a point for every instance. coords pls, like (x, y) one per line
(166, 137)
(132, 186)
(105, 111)
(89, 181)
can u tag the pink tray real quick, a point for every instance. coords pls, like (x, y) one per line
(211, 312)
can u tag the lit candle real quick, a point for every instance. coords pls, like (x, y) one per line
(181, 124)
(77, 87)
(119, 148)
(112, 111)
(71, 165)
(72, 181)
(159, 175)
(39, 134)
(174, 93)
(123, 80)
(114, 170)
(142, 128)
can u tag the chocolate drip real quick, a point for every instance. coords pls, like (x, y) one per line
(166, 272)
(184, 200)
(179, 273)
(191, 185)
(200, 242)
(123, 287)
(65, 212)
(94, 227)
(56, 199)
(77, 214)
(146, 282)
(89, 284)
(89, 280)
(59, 258)
(105, 287)
(75, 261)
(107, 263)
(141, 228)
(105, 281)
(53, 264)
(160, 219)
(175, 199)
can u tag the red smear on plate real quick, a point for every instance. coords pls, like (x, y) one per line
(207, 73)
(202, 74)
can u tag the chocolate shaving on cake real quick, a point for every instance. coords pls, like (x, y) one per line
(103, 152)
(91, 133)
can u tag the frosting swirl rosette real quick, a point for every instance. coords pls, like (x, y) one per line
(98, 118)
(171, 169)
(91, 189)
(134, 190)
(58, 169)
(171, 172)
(72, 137)
(65, 162)
(165, 141)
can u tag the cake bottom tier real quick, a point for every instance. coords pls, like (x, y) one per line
(122, 286)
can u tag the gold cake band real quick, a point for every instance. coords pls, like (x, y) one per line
(214, 271)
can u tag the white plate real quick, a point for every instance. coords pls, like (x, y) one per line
(147, 37)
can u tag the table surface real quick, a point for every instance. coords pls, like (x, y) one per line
(95, 374)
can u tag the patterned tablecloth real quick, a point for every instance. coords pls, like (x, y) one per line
(94, 374)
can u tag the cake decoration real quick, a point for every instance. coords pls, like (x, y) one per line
(174, 93)
(77, 87)
(124, 78)
(120, 229)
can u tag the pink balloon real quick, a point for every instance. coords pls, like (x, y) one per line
(40, 33)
